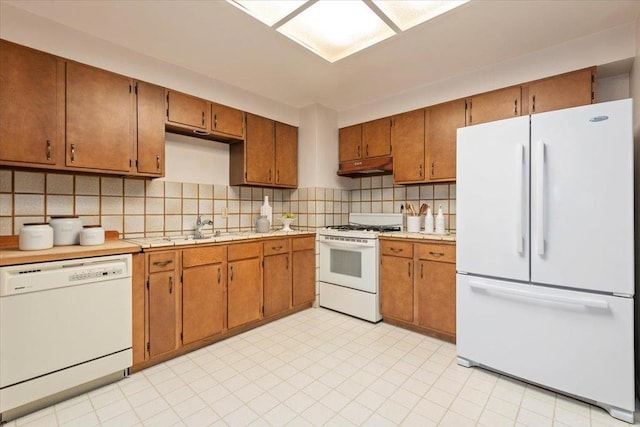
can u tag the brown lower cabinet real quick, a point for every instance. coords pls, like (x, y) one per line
(418, 286)
(186, 298)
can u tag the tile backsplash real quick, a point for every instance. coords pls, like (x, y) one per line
(378, 194)
(137, 208)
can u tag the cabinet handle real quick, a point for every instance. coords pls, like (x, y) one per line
(201, 132)
(421, 171)
(231, 273)
(276, 248)
(367, 150)
(358, 151)
(48, 149)
(203, 118)
(433, 168)
(409, 268)
(158, 161)
(421, 270)
(436, 253)
(396, 250)
(215, 121)
(287, 262)
(219, 274)
(278, 175)
(162, 263)
(269, 175)
(515, 107)
(170, 284)
(533, 104)
(73, 153)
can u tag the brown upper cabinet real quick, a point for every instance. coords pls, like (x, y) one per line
(227, 121)
(496, 105)
(366, 140)
(267, 157)
(150, 131)
(193, 116)
(100, 119)
(31, 106)
(562, 91)
(408, 138)
(443, 121)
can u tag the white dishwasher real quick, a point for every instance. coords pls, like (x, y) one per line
(65, 328)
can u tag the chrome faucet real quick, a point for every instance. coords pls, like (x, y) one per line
(200, 225)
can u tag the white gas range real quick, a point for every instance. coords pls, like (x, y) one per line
(349, 263)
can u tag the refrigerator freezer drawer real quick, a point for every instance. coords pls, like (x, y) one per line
(575, 342)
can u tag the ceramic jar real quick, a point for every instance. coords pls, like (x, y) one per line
(35, 236)
(66, 230)
(92, 235)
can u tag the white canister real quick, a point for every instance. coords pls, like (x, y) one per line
(413, 224)
(35, 236)
(92, 235)
(66, 230)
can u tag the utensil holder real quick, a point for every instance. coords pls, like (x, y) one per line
(413, 224)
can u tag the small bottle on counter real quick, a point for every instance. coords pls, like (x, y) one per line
(440, 221)
(265, 210)
(428, 222)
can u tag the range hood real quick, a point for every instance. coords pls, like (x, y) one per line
(367, 167)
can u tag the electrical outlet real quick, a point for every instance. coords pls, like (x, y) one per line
(225, 212)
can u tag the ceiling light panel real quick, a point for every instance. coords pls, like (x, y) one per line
(407, 14)
(335, 29)
(268, 12)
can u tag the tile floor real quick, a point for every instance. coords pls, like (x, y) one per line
(318, 367)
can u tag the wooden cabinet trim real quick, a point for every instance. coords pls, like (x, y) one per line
(193, 257)
(303, 243)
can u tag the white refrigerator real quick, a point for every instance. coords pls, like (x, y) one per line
(545, 255)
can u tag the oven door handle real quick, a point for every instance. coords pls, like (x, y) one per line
(345, 245)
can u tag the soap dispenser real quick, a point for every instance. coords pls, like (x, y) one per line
(440, 221)
(428, 221)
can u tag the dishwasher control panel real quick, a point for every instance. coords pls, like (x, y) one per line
(45, 276)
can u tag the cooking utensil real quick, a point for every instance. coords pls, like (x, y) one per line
(423, 209)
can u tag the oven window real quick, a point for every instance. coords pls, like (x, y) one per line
(348, 263)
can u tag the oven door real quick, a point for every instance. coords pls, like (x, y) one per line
(349, 262)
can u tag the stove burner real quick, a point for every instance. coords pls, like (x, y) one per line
(363, 227)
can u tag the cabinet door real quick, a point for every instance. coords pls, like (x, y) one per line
(444, 121)
(286, 155)
(186, 110)
(396, 288)
(259, 150)
(563, 91)
(304, 276)
(376, 138)
(150, 138)
(244, 292)
(227, 120)
(407, 137)
(496, 105)
(162, 313)
(28, 105)
(99, 119)
(350, 140)
(277, 284)
(138, 312)
(436, 295)
(203, 291)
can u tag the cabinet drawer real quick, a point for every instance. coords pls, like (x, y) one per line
(273, 247)
(244, 251)
(396, 248)
(203, 256)
(303, 243)
(435, 252)
(162, 261)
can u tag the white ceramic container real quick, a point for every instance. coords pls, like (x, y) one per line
(92, 235)
(36, 236)
(66, 230)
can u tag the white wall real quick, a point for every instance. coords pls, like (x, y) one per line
(596, 49)
(613, 88)
(196, 160)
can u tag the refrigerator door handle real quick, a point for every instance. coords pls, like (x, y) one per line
(585, 302)
(519, 198)
(540, 159)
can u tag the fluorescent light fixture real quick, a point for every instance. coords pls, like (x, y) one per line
(409, 13)
(336, 29)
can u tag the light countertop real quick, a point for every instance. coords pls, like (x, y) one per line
(167, 241)
(449, 237)
(14, 256)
